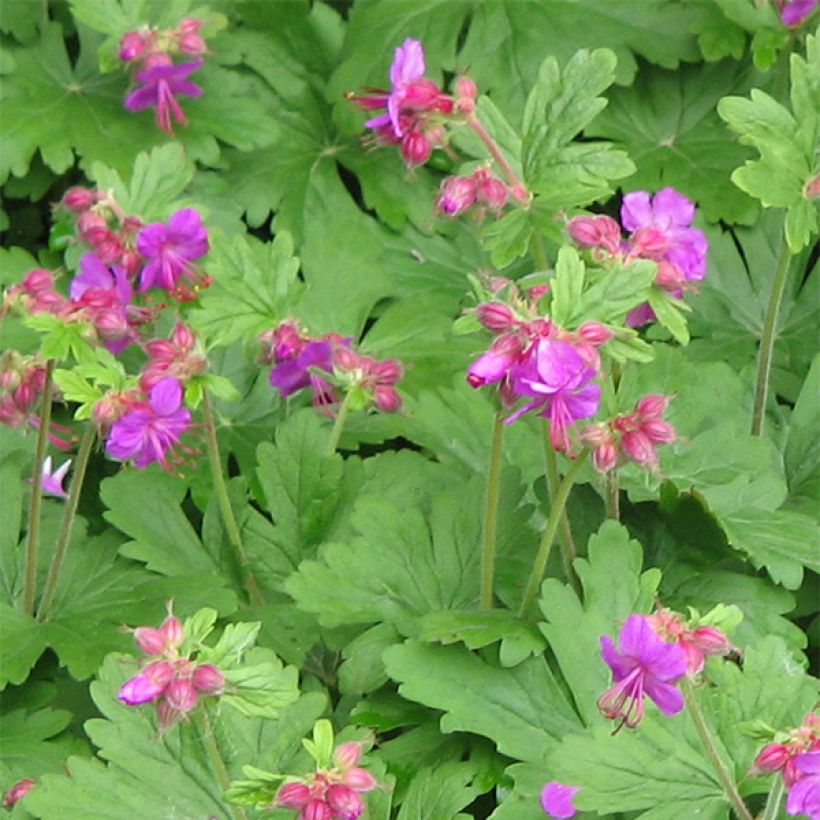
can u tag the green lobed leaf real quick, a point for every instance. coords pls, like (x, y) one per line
(440, 792)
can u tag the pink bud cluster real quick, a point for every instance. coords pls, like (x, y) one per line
(780, 756)
(482, 191)
(172, 681)
(22, 379)
(633, 436)
(17, 792)
(180, 356)
(697, 642)
(149, 47)
(330, 794)
(326, 364)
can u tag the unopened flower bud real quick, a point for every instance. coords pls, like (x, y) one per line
(132, 45)
(346, 359)
(649, 242)
(711, 641)
(167, 716)
(605, 457)
(293, 796)
(812, 188)
(209, 679)
(772, 757)
(347, 755)
(359, 780)
(344, 802)
(151, 641)
(537, 292)
(595, 435)
(490, 190)
(78, 199)
(386, 398)
(130, 261)
(17, 792)
(316, 810)
(595, 333)
(37, 280)
(192, 44)
(652, 405)
(416, 149)
(387, 371)
(92, 227)
(183, 337)
(142, 688)
(457, 194)
(495, 316)
(190, 25)
(639, 448)
(595, 232)
(670, 277)
(181, 695)
(157, 59)
(659, 431)
(466, 87)
(173, 631)
(109, 248)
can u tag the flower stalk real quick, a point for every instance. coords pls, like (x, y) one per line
(513, 180)
(224, 499)
(767, 340)
(33, 544)
(705, 734)
(558, 505)
(67, 523)
(771, 811)
(491, 513)
(338, 425)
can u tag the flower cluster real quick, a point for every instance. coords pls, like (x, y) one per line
(782, 754)
(482, 191)
(416, 107)
(660, 229)
(171, 680)
(631, 436)
(328, 364)
(330, 793)
(150, 52)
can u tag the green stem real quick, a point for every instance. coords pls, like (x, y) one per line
(33, 544)
(67, 523)
(338, 425)
(205, 730)
(513, 180)
(767, 339)
(565, 539)
(722, 771)
(224, 499)
(543, 554)
(772, 808)
(491, 513)
(613, 496)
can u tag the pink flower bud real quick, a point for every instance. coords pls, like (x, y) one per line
(595, 232)
(293, 796)
(495, 316)
(209, 679)
(416, 149)
(181, 695)
(652, 405)
(595, 333)
(359, 780)
(347, 755)
(670, 277)
(37, 280)
(190, 25)
(192, 44)
(346, 359)
(172, 631)
(142, 688)
(25, 396)
(386, 398)
(456, 195)
(536, 292)
(108, 249)
(316, 810)
(812, 188)
(490, 190)
(130, 261)
(132, 46)
(649, 242)
(387, 371)
(639, 448)
(111, 325)
(489, 367)
(772, 757)
(10, 379)
(157, 59)
(17, 792)
(466, 87)
(167, 716)
(92, 227)
(605, 457)
(711, 641)
(150, 641)
(659, 431)
(421, 95)
(78, 199)
(344, 803)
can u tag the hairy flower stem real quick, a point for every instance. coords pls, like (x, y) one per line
(723, 773)
(491, 513)
(565, 539)
(205, 730)
(767, 339)
(613, 496)
(338, 425)
(33, 544)
(558, 504)
(67, 523)
(224, 499)
(772, 808)
(513, 180)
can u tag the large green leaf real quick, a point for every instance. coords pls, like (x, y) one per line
(802, 454)
(440, 792)
(521, 709)
(667, 123)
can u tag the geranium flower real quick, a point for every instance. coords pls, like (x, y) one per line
(644, 663)
(149, 431)
(556, 799)
(159, 85)
(804, 795)
(170, 248)
(794, 12)
(52, 482)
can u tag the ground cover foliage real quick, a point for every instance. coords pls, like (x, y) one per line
(439, 380)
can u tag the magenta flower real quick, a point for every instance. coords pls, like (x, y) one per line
(644, 664)
(170, 248)
(804, 795)
(559, 380)
(408, 66)
(159, 85)
(794, 12)
(149, 685)
(148, 432)
(94, 275)
(52, 482)
(294, 374)
(556, 799)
